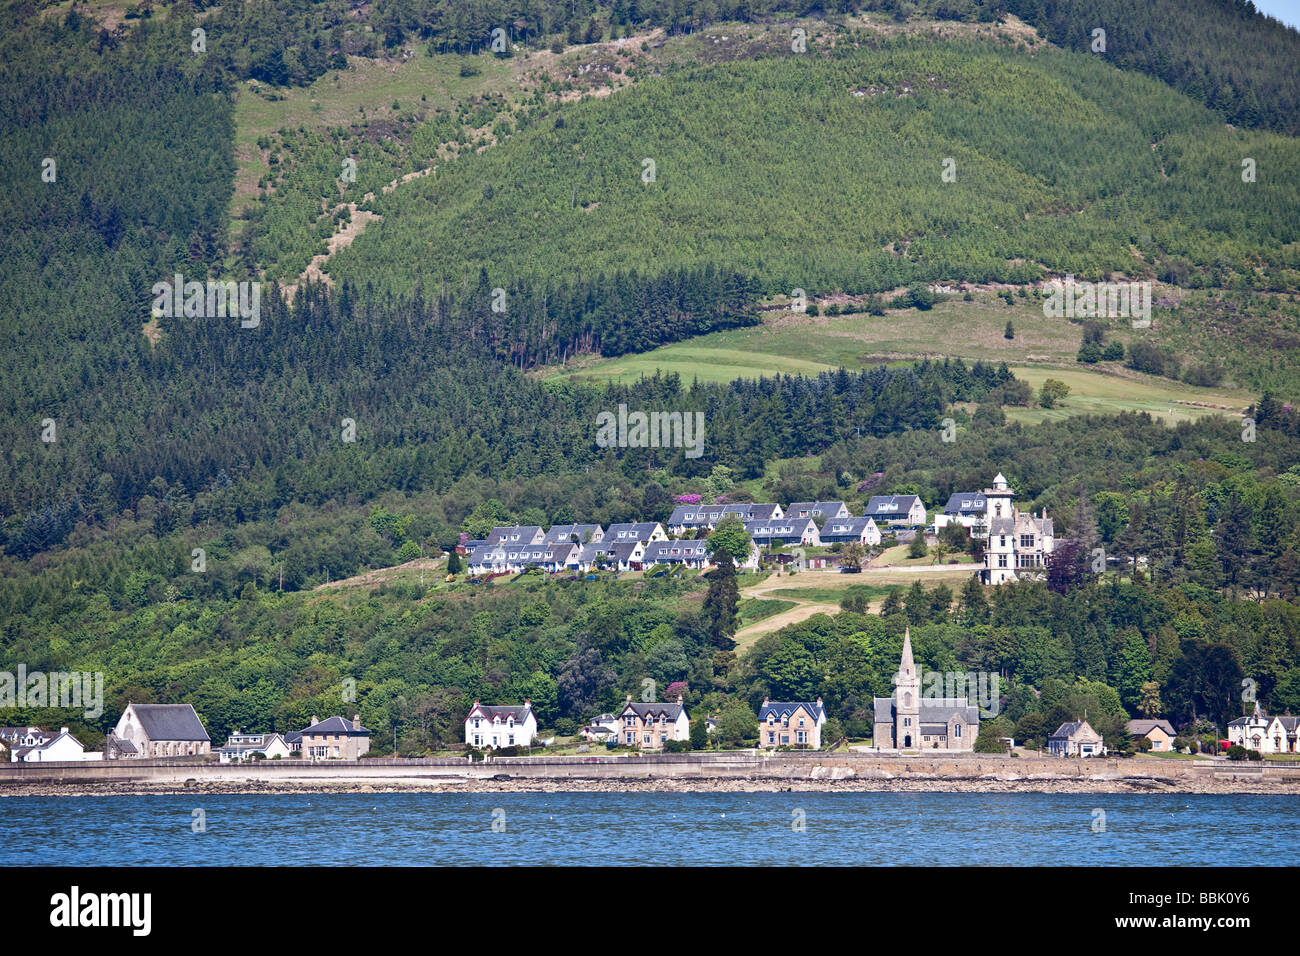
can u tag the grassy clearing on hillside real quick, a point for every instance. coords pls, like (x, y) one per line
(1043, 348)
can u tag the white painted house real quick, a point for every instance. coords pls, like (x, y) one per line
(489, 727)
(60, 746)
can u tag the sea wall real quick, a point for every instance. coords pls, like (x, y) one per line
(772, 768)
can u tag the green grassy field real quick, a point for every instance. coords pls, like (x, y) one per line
(1043, 348)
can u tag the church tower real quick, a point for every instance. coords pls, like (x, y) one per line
(907, 700)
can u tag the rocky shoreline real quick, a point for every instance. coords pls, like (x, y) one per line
(912, 783)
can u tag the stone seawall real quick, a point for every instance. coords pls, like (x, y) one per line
(737, 770)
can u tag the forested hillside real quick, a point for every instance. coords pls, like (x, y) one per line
(367, 423)
(827, 173)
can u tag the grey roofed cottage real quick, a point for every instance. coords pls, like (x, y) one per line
(896, 509)
(643, 531)
(583, 533)
(526, 534)
(817, 509)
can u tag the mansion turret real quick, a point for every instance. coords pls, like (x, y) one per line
(1018, 542)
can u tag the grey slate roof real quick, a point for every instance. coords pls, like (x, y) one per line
(1067, 729)
(663, 551)
(966, 503)
(631, 531)
(171, 722)
(890, 506)
(333, 726)
(785, 528)
(520, 712)
(565, 532)
(652, 709)
(1144, 727)
(813, 509)
(780, 708)
(931, 711)
(844, 528)
(518, 534)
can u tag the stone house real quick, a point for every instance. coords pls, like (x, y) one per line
(335, 739)
(791, 724)
(1018, 542)
(1075, 738)
(650, 725)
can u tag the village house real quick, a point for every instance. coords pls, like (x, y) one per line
(784, 531)
(692, 554)
(896, 510)
(636, 531)
(791, 724)
(818, 510)
(706, 517)
(575, 533)
(1159, 732)
(1268, 735)
(243, 746)
(650, 725)
(968, 509)
(487, 559)
(1018, 542)
(908, 721)
(158, 730)
(1076, 738)
(500, 726)
(620, 556)
(25, 736)
(528, 534)
(47, 747)
(603, 728)
(335, 738)
(548, 557)
(861, 531)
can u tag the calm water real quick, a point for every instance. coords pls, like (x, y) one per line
(655, 828)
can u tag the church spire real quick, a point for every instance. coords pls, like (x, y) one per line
(907, 667)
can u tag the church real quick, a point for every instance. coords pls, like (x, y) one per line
(907, 721)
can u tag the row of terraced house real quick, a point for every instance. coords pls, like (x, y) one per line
(1016, 542)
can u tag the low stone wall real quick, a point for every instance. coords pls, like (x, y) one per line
(732, 765)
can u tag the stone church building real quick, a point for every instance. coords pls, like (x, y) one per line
(908, 721)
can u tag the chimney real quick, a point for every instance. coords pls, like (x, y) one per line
(527, 702)
(356, 721)
(819, 702)
(314, 721)
(765, 700)
(629, 698)
(63, 730)
(679, 699)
